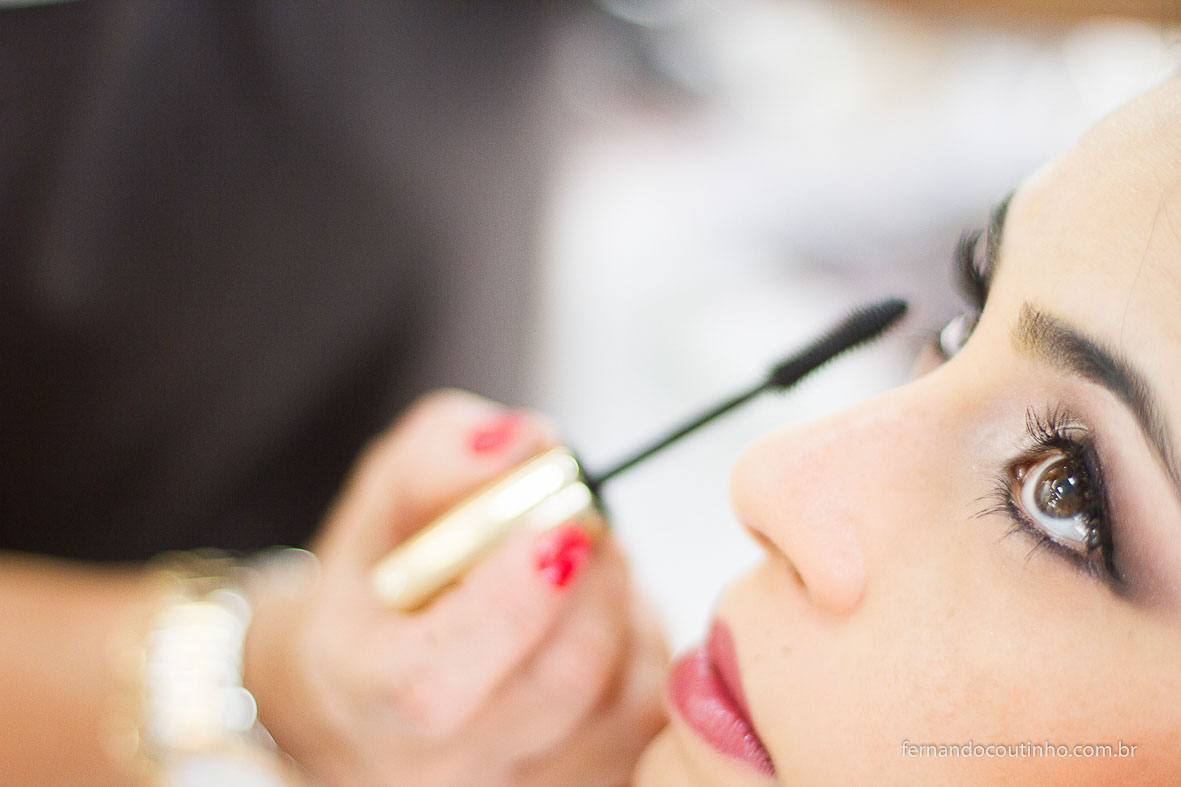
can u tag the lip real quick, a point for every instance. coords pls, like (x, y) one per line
(705, 687)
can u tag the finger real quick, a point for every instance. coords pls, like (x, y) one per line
(572, 670)
(604, 749)
(453, 443)
(445, 447)
(450, 658)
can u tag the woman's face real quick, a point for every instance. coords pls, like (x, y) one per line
(992, 553)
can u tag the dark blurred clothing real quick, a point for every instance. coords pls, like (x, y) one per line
(235, 238)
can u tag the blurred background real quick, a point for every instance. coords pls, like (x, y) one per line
(235, 238)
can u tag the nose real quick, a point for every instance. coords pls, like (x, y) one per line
(819, 492)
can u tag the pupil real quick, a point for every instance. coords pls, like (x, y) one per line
(1060, 493)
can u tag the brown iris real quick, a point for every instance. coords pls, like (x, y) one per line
(1060, 491)
(1056, 495)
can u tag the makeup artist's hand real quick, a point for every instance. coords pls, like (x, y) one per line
(539, 668)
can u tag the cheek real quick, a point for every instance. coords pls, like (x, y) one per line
(960, 634)
(661, 764)
(837, 695)
(665, 763)
(977, 646)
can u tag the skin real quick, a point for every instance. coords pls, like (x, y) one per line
(505, 679)
(888, 608)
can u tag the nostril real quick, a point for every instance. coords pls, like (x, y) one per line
(764, 543)
(789, 568)
(789, 489)
(834, 581)
(821, 553)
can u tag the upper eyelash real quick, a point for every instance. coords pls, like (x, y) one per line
(1058, 430)
(1053, 429)
(974, 269)
(970, 277)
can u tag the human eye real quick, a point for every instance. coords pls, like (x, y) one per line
(973, 265)
(972, 280)
(1054, 492)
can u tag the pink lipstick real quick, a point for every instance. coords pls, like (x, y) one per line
(705, 687)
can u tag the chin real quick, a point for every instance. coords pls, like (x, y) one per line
(674, 760)
(659, 764)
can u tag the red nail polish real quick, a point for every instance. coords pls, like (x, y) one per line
(561, 552)
(495, 435)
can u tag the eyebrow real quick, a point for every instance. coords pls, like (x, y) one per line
(1052, 340)
(1065, 347)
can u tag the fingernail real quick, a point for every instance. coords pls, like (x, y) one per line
(561, 552)
(496, 434)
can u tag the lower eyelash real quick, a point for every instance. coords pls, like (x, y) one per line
(1003, 503)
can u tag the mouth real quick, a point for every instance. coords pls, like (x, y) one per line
(705, 687)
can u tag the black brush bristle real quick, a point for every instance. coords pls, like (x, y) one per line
(860, 326)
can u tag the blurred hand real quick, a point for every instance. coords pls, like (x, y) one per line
(539, 668)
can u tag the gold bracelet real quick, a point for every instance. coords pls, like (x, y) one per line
(193, 714)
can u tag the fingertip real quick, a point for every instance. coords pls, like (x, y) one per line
(451, 447)
(502, 608)
(560, 553)
(504, 584)
(494, 434)
(510, 436)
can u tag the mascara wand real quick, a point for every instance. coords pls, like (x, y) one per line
(859, 327)
(551, 488)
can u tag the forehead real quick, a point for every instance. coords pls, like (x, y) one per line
(1095, 237)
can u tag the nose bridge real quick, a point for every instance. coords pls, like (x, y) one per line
(821, 491)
